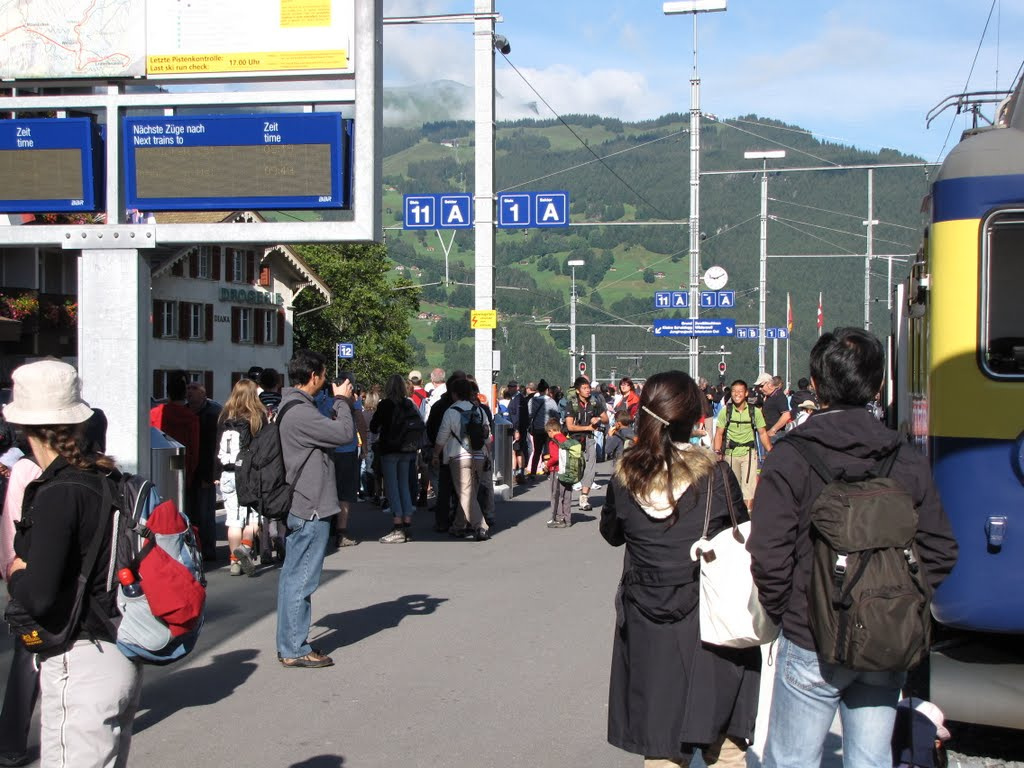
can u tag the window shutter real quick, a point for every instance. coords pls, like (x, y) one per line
(178, 268)
(265, 276)
(258, 318)
(208, 383)
(236, 314)
(193, 264)
(280, 328)
(250, 267)
(183, 320)
(158, 319)
(209, 325)
(215, 262)
(158, 384)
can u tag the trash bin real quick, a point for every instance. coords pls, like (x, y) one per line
(168, 467)
(502, 450)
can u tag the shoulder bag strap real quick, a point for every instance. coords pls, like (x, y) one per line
(707, 506)
(728, 494)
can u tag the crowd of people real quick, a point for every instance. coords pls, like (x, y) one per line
(680, 451)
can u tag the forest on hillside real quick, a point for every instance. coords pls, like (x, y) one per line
(629, 213)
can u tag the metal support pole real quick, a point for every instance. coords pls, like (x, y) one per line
(483, 58)
(694, 203)
(870, 224)
(775, 357)
(572, 329)
(593, 357)
(763, 270)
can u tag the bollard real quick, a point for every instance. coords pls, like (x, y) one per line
(502, 457)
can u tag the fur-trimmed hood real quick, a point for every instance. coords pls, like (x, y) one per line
(690, 464)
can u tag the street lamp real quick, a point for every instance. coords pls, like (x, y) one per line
(764, 157)
(572, 318)
(694, 7)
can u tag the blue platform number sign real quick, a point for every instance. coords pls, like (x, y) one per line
(771, 333)
(514, 210)
(680, 299)
(727, 299)
(420, 212)
(551, 209)
(455, 212)
(782, 333)
(708, 299)
(662, 299)
(346, 349)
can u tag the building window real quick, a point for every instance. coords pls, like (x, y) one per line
(269, 319)
(196, 318)
(204, 262)
(245, 327)
(237, 266)
(170, 320)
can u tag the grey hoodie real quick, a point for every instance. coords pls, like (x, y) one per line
(306, 432)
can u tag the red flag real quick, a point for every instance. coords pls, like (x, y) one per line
(789, 314)
(821, 316)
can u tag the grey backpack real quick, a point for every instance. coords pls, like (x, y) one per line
(869, 602)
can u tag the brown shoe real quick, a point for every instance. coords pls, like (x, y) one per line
(312, 660)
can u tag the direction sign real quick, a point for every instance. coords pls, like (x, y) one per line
(517, 210)
(346, 349)
(236, 162)
(699, 327)
(551, 209)
(671, 299)
(746, 332)
(447, 211)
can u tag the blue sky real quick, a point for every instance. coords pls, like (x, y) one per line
(863, 73)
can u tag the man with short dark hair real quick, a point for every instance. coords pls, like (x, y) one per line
(307, 440)
(738, 429)
(846, 368)
(270, 383)
(586, 415)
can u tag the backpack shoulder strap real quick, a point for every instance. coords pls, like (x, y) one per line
(812, 457)
(284, 409)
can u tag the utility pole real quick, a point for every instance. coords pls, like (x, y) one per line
(573, 263)
(764, 157)
(870, 224)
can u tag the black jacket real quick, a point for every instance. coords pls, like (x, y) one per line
(780, 543)
(61, 511)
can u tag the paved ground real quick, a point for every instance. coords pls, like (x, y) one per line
(449, 653)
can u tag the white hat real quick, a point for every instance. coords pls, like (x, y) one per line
(763, 378)
(415, 377)
(47, 392)
(809, 404)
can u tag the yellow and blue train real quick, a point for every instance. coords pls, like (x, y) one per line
(959, 393)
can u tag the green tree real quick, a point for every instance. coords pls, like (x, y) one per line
(367, 308)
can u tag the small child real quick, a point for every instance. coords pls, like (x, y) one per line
(561, 495)
(620, 437)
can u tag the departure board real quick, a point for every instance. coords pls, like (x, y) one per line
(47, 165)
(221, 162)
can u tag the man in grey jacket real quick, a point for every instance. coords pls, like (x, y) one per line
(307, 441)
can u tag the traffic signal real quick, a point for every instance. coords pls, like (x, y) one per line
(721, 367)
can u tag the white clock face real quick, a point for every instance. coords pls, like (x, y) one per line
(716, 278)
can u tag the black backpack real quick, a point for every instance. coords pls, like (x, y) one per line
(475, 430)
(260, 480)
(408, 429)
(869, 603)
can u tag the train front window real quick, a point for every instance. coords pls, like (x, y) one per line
(1002, 326)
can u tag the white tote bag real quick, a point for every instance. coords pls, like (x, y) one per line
(730, 612)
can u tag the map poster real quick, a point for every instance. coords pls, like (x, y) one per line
(57, 39)
(210, 39)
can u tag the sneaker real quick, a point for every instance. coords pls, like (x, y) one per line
(481, 535)
(345, 541)
(236, 568)
(595, 485)
(557, 524)
(397, 536)
(578, 487)
(245, 561)
(584, 506)
(312, 660)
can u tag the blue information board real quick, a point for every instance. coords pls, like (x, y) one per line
(519, 210)
(449, 211)
(699, 327)
(49, 165)
(221, 162)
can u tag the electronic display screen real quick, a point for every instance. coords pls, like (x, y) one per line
(46, 165)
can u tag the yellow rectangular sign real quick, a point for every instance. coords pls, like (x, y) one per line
(483, 318)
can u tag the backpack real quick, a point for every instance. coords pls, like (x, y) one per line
(730, 408)
(474, 430)
(869, 603)
(571, 461)
(260, 480)
(407, 431)
(539, 415)
(154, 540)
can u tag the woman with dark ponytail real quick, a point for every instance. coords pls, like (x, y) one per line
(669, 693)
(90, 690)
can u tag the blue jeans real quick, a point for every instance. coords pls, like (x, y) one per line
(300, 576)
(807, 693)
(398, 469)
